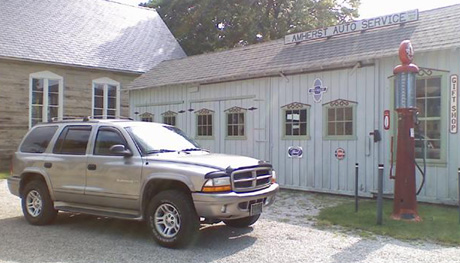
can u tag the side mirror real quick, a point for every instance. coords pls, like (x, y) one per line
(119, 149)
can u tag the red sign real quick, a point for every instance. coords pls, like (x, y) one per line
(340, 153)
(386, 119)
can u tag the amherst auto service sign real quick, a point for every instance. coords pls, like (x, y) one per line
(365, 24)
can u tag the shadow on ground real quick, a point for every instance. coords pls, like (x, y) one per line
(84, 238)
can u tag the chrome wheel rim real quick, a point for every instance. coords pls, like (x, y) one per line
(167, 220)
(34, 203)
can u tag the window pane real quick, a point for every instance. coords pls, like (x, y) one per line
(53, 99)
(98, 102)
(98, 90)
(230, 130)
(288, 129)
(97, 113)
(112, 103)
(331, 128)
(37, 98)
(349, 113)
(331, 115)
(433, 107)
(106, 139)
(111, 91)
(433, 149)
(303, 115)
(296, 130)
(37, 112)
(38, 139)
(229, 118)
(53, 85)
(340, 114)
(241, 130)
(235, 130)
(241, 118)
(348, 128)
(420, 88)
(73, 140)
(235, 118)
(433, 88)
(111, 114)
(433, 129)
(303, 129)
(37, 85)
(340, 126)
(52, 112)
(421, 107)
(200, 119)
(210, 119)
(209, 131)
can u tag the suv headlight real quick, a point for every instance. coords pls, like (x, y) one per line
(273, 176)
(219, 184)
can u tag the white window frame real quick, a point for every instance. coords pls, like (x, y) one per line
(46, 76)
(106, 82)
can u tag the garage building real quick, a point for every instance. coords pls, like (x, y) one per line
(311, 103)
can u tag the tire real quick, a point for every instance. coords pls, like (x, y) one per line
(37, 206)
(172, 219)
(242, 222)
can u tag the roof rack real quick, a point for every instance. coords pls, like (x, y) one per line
(88, 118)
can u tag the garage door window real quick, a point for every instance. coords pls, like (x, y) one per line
(146, 117)
(296, 120)
(236, 120)
(339, 119)
(204, 124)
(169, 118)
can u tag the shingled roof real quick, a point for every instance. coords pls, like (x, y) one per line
(86, 33)
(435, 29)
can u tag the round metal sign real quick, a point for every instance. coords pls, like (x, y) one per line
(340, 153)
(295, 152)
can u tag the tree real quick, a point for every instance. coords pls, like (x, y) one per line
(207, 25)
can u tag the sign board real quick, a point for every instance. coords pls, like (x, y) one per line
(355, 26)
(453, 120)
(340, 154)
(386, 119)
(317, 90)
(295, 152)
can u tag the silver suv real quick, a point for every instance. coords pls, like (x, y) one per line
(137, 170)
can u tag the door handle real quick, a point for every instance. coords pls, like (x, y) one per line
(48, 165)
(92, 167)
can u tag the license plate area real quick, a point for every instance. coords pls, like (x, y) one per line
(255, 209)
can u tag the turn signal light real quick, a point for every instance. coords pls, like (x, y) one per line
(209, 189)
(273, 176)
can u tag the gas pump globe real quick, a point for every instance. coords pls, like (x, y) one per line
(405, 199)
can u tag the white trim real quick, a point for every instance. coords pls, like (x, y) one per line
(105, 82)
(46, 76)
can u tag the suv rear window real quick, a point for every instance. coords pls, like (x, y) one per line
(73, 140)
(38, 139)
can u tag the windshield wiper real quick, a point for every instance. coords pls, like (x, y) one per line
(160, 151)
(193, 149)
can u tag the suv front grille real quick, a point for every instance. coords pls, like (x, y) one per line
(247, 180)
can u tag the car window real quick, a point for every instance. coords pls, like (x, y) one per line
(106, 138)
(73, 140)
(38, 139)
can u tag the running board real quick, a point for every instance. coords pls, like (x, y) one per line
(98, 210)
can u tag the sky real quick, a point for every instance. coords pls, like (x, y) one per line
(374, 8)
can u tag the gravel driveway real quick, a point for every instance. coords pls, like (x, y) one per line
(285, 233)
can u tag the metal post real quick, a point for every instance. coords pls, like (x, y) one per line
(380, 195)
(356, 186)
(458, 172)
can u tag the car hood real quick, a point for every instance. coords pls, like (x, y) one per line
(211, 160)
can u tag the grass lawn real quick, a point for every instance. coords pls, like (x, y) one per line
(440, 223)
(4, 175)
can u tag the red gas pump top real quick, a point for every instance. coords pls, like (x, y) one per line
(406, 55)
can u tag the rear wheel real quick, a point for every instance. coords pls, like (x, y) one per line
(37, 206)
(172, 219)
(242, 222)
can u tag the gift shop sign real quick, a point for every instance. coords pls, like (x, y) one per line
(355, 26)
(453, 121)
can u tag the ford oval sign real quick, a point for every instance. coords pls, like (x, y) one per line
(295, 152)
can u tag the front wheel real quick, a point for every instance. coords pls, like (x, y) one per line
(242, 222)
(172, 219)
(37, 206)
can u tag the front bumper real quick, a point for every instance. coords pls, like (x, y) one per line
(13, 185)
(231, 205)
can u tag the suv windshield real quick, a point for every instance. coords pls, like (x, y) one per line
(153, 138)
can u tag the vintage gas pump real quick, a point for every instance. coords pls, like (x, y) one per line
(405, 200)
